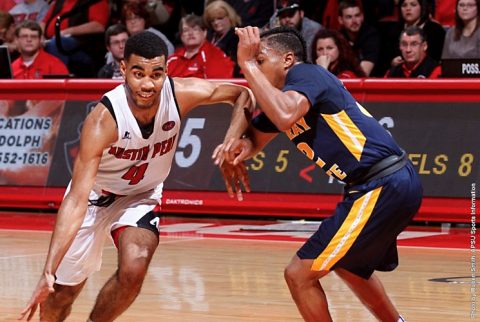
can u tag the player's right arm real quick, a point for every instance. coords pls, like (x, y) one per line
(99, 131)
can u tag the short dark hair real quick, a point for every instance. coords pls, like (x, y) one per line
(345, 4)
(114, 30)
(29, 24)
(414, 30)
(286, 39)
(145, 44)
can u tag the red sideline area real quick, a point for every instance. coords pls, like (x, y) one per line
(414, 236)
(255, 204)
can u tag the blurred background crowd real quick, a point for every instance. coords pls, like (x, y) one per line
(350, 38)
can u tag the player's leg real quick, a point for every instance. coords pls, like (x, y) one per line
(372, 294)
(135, 250)
(58, 305)
(306, 290)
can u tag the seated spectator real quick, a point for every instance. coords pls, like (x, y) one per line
(332, 51)
(198, 57)
(115, 38)
(33, 62)
(29, 10)
(136, 18)
(222, 20)
(463, 39)
(416, 63)
(290, 14)
(7, 34)
(82, 35)
(416, 13)
(363, 39)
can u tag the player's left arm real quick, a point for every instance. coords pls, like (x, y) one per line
(193, 92)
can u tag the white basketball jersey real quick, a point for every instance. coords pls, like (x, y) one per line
(133, 164)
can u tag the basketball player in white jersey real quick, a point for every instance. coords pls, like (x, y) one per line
(126, 150)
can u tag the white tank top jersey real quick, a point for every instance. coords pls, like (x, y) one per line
(133, 164)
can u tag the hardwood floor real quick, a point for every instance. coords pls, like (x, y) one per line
(226, 280)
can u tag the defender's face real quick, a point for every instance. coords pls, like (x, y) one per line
(144, 80)
(271, 64)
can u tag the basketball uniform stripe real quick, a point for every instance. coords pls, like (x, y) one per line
(347, 234)
(347, 132)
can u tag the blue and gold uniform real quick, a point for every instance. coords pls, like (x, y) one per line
(382, 192)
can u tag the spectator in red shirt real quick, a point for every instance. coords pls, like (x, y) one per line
(198, 57)
(6, 5)
(416, 63)
(333, 52)
(33, 62)
(82, 35)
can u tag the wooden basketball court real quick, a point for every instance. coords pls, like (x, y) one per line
(203, 279)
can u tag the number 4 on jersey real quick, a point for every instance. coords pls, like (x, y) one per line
(135, 174)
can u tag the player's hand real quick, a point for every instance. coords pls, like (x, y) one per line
(233, 151)
(248, 44)
(43, 289)
(235, 176)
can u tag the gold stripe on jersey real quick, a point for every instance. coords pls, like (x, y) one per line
(347, 234)
(347, 132)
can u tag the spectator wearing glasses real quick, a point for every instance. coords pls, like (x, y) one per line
(416, 63)
(34, 62)
(221, 20)
(291, 14)
(463, 39)
(115, 38)
(198, 57)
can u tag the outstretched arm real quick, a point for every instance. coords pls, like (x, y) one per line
(192, 92)
(99, 131)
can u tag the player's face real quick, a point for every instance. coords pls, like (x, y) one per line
(327, 47)
(411, 11)
(117, 45)
(413, 48)
(28, 41)
(144, 80)
(272, 64)
(351, 19)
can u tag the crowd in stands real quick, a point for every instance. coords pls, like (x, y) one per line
(350, 38)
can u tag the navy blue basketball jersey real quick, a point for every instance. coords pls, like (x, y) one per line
(337, 133)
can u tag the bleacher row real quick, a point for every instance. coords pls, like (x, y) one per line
(350, 38)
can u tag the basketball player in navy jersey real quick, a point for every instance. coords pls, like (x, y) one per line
(382, 193)
(126, 150)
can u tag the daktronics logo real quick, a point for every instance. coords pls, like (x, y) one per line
(195, 202)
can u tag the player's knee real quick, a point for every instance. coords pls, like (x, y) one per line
(293, 274)
(132, 276)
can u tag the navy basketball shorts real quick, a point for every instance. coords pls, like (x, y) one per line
(361, 236)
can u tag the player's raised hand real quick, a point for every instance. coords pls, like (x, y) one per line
(248, 44)
(43, 289)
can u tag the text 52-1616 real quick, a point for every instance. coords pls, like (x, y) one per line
(31, 158)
